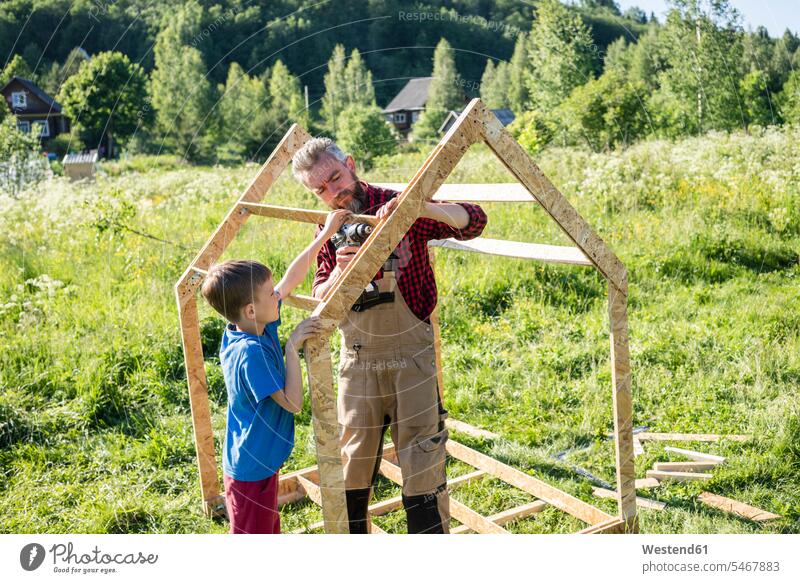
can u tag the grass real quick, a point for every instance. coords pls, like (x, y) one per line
(95, 430)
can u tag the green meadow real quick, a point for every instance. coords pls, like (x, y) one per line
(95, 429)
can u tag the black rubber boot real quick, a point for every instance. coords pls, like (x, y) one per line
(422, 512)
(357, 504)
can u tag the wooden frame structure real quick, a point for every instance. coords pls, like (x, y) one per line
(324, 483)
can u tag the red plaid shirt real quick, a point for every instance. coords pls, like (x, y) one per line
(414, 274)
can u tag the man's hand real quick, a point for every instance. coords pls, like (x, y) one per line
(387, 208)
(344, 255)
(334, 222)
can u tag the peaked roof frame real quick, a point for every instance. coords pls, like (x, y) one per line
(324, 483)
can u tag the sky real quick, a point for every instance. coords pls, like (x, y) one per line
(775, 15)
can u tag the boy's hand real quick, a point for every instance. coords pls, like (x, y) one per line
(334, 222)
(306, 329)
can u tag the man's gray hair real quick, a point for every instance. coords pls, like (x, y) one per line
(308, 156)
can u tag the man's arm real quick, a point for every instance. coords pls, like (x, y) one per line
(443, 220)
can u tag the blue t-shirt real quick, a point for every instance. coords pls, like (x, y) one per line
(260, 433)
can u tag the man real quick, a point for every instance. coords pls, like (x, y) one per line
(387, 373)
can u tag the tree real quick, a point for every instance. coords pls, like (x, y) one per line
(494, 85)
(247, 121)
(605, 112)
(757, 99)
(789, 98)
(700, 87)
(288, 105)
(104, 99)
(518, 96)
(560, 55)
(364, 133)
(444, 93)
(335, 97)
(346, 84)
(17, 67)
(181, 92)
(55, 77)
(21, 164)
(358, 82)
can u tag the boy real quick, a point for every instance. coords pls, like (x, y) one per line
(263, 391)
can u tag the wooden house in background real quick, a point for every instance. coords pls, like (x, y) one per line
(35, 110)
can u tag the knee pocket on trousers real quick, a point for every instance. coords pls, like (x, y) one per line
(423, 463)
(352, 392)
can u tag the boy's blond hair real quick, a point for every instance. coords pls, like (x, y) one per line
(230, 286)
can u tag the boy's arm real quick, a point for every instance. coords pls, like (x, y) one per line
(291, 397)
(297, 270)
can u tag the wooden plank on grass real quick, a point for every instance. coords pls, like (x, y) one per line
(684, 466)
(507, 516)
(613, 526)
(646, 483)
(470, 430)
(466, 515)
(311, 489)
(690, 437)
(736, 507)
(678, 476)
(696, 455)
(558, 498)
(640, 501)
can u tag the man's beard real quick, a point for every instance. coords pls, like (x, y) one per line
(358, 197)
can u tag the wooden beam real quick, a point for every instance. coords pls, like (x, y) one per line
(326, 433)
(517, 249)
(475, 192)
(437, 333)
(311, 490)
(558, 498)
(301, 215)
(507, 516)
(622, 404)
(696, 455)
(280, 157)
(613, 526)
(467, 516)
(677, 476)
(302, 302)
(213, 502)
(391, 471)
(459, 511)
(396, 502)
(736, 507)
(387, 235)
(684, 466)
(644, 483)
(690, 437)
(470, 430)
(637, 447)
(640, 501)
(520, 164)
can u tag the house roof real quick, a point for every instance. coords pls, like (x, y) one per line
(412, 96)
(505, 116)
(37, 91)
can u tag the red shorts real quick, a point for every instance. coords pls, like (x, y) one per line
(253, 506)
